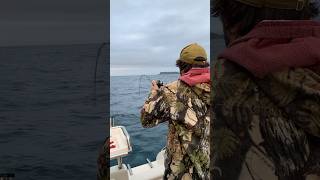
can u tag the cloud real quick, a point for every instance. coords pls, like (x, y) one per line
(149, 34)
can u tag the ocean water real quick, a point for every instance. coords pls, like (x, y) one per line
(52, 114)
(128, 94)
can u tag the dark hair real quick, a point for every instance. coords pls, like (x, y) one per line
(245, 17)
(185, 67)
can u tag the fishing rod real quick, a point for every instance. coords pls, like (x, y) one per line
(97, 60)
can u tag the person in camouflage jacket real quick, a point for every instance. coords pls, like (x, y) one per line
(266, 93)
(184, 104)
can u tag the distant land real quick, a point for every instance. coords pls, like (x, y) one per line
(216, 36)
(169, 72)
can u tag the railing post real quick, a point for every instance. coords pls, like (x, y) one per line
(119, 159)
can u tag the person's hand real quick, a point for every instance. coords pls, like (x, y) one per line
(154, 85)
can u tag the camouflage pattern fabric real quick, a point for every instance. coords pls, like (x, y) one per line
(268, 128)
(187, 111)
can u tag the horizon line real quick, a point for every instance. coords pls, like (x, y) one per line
(30, 45)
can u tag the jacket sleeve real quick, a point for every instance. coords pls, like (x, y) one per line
(297, 92)
(156, 109)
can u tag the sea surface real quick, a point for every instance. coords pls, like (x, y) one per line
(52, 113)
(128, 94)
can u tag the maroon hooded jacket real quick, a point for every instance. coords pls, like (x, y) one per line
(266, 104)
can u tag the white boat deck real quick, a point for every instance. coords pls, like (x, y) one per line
(142, 172)
(121, 147)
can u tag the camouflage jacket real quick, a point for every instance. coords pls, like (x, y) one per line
(267, 128)
(187, 111)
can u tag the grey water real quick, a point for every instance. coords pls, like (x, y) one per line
(127, 96)
(52, 113)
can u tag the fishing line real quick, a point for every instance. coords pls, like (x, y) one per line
(97, 60)
(100, 50)
(140, 79)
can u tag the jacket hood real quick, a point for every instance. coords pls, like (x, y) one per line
(196, 76)
(273, 46)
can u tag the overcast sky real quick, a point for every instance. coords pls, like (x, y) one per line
(148, 35)
(47, 22)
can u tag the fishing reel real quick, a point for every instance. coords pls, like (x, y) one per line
(159, 83)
